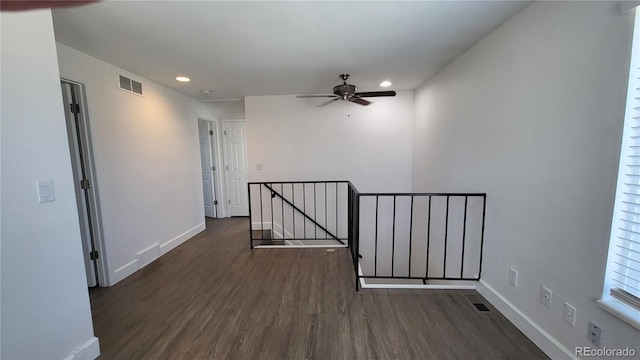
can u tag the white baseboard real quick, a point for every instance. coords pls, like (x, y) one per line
(88, 351)
(324, 242)
(417, 286)
(152, 253)
(123, 272)
(146, 256)
(173, 243)
(364, 285)
(298, 246)
(547, 343)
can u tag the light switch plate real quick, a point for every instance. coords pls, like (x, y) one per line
(45, 191)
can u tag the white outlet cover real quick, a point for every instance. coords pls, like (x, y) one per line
(545, 296)
(569, 314)
(594, 334)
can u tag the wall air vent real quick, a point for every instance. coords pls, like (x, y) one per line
(127, 84)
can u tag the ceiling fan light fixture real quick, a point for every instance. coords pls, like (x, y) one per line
(349, 92)
(183, 78)
(385, 83)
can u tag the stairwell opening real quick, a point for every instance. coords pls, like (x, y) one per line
(396, 240)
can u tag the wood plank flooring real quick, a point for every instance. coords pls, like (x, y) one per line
(213, 298)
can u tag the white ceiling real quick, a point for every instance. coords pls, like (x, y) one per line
(237, 48)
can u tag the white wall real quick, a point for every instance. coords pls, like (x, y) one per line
(233, 111)
(294, 139)
(45, 303)
(147, 161)
(533, 116)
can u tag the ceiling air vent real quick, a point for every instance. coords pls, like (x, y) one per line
(127, 84)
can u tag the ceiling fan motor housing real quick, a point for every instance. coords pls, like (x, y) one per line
(344, 90)
(348, 92)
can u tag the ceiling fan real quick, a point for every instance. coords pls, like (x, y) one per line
(349, 92)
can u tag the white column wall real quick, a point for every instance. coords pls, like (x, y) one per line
(532, 115)
(45, 311)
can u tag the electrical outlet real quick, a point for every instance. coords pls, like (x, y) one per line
(545, 296)
(594, 334)
(569, 314)
(513, 277)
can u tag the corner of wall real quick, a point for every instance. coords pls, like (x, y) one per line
(547, 343)
(475, 127)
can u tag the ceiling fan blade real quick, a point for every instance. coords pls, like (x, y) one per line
(357, 100)
(376, 93)
(314, 96)
(328, 102)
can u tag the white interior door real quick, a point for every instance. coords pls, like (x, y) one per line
(205, 131)
(79, 174)
(237, 167)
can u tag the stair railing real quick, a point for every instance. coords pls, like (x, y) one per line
(298, 213)
(416, 237)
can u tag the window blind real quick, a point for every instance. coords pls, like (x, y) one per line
(623, 270)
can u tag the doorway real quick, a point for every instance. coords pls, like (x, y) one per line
(237, 167)
(207, 138)
(75, 111)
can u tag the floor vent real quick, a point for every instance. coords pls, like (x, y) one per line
(130, 85)
(481, 307)
(478, 303)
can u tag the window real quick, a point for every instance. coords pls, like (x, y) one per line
(621, 294)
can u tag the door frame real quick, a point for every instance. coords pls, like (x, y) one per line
(93, 199)
(227, 205)
(218, 189)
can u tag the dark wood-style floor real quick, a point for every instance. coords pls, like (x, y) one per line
(213, 298)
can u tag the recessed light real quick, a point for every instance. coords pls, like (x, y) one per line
(385, 83)
(205, 91)
(183, 78)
